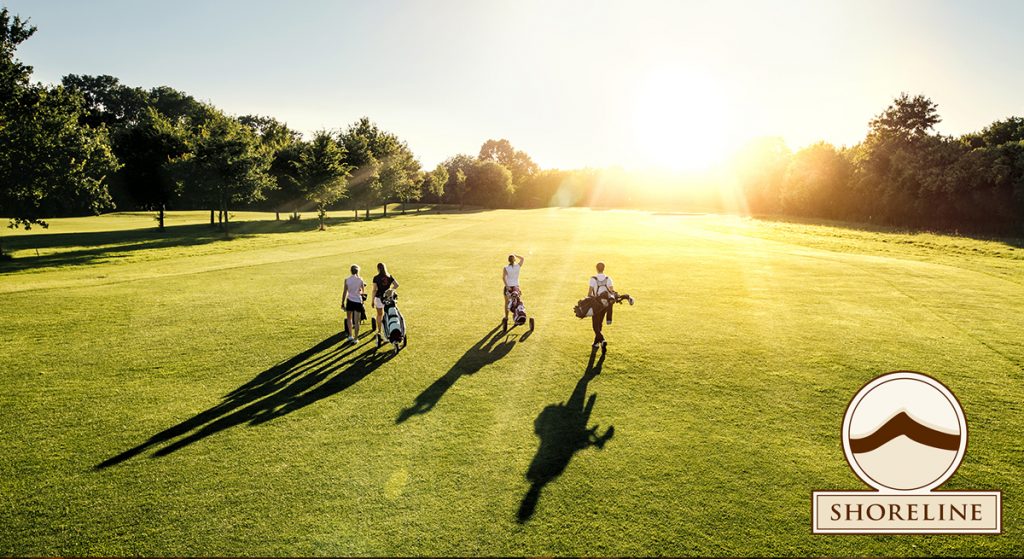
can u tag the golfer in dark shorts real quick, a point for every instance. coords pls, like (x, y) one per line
(353, 293)
(381, 283)
(601, 287)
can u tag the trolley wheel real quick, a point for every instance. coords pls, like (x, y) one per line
(380, 341)
(405, 342)
(531, 324)
(373, 324)
(604, 347)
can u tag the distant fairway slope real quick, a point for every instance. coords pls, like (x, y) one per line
(178, 393)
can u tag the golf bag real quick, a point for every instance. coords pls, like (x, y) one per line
(515, 304)
(589, 305)
(517, 308)
(393, 322)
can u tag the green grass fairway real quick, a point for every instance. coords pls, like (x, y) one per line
(182, 394)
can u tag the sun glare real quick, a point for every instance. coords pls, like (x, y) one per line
(679, 122)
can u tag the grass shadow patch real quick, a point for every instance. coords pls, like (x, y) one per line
(486, 351)
(76, 249)
(562, 429)
(319, 372)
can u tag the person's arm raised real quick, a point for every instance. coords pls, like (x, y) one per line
(521, 259)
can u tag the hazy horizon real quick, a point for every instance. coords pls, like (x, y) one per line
(574, 84)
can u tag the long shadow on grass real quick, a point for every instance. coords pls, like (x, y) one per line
(563, 432)
(483, 353)
(317, 373)
(89, 247)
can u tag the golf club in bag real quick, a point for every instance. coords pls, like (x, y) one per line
(393, 328)
(515, 304)
(586, 307)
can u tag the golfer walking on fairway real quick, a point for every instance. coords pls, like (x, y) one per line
(382, 282)
(353, 295)
(510, 276)
(601, 289)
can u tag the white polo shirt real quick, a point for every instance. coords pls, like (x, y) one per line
(512, 275)
(600, 284)
(354, 285)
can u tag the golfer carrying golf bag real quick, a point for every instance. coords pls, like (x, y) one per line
(601, 299)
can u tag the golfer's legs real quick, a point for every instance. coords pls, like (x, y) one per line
(351, 323)
(380, 321)
(598, 321)
(505, 293)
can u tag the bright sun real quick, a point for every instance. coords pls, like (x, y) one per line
(679, 122)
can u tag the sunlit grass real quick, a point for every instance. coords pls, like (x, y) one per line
(186, 394)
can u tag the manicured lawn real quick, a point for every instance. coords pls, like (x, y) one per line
(178, 393)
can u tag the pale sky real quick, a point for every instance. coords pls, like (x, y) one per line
(581, 83)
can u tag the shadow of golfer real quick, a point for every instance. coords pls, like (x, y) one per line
(316, 373)
(563, 432)
(483, 353)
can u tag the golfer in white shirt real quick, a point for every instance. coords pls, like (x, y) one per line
(601, 287)
(510, 276)
(353, 297)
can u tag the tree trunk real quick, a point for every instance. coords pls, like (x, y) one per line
(225, 213)
(356, 216)
(211, 219)
(277, 215)
(385, 209)
(160, 217)
(367, 213)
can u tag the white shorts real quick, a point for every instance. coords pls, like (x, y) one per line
(377, 303)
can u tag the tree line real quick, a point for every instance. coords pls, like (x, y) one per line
(902, 174)
(92, 144)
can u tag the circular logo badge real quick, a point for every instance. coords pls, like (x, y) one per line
(904, 431)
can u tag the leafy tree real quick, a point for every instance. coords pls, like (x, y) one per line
(368, 149)
(893, 161)
(459, 186)
(436, 180)
(49, 163)
(457, 167)
(906, 119)
(400, 178)
(147, 149)
(179, 106)
(817, 181)
(517, 162)
(490, 185)
(321, 172)
(1010, 130)
(226, 165)
(286, 146)
(542, 189)
(107, 101)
